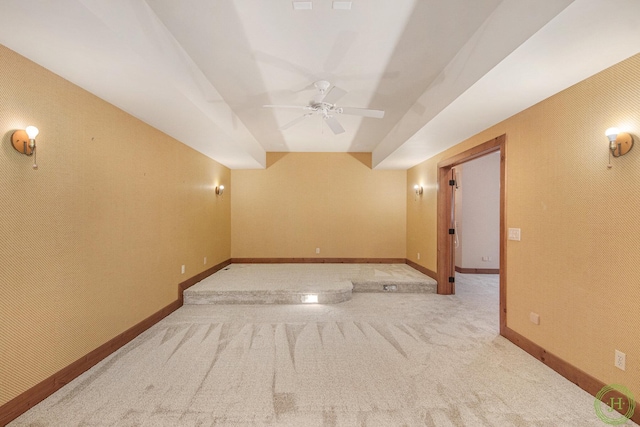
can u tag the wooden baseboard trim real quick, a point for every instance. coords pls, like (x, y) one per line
(422, 269)
(317, 260)
(198, 277)
(478, 270)
(580, 378)
(23, 402)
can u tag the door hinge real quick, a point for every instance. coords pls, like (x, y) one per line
(452, 279)
(452, 231)
(452, 182)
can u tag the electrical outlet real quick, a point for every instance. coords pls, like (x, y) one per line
(317, 250)
(418, 255)
(620, 360)
(182, 270)
(535, 318)
(205, 260)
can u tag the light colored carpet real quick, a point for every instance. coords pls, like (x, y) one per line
(286, 283)
(377, 360)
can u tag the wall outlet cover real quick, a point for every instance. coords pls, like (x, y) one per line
(535, 318)
(620, 360)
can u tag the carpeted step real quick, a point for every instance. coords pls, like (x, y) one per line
(321, 293)
(397, 286)
(304, 283)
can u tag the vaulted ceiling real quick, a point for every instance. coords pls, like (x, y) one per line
(442, 70)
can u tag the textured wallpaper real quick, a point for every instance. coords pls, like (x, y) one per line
(331, 201)
(578, 262)
(93, 241)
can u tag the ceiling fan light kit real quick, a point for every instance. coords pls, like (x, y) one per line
(324, 104)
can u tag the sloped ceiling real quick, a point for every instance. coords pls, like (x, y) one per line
(201, 70)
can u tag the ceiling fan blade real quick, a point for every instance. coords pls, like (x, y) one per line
(334, 124)
(364, 112)
(297, 107)
(295, 121)
(333, 95)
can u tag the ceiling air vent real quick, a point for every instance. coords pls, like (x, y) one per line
(302, 5)
(342, 5)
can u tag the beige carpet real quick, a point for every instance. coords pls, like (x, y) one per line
(377, 360)
(287, 283)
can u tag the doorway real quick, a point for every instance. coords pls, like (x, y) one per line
(477, 216)
(446, 218)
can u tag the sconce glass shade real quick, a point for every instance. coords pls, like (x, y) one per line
(418, 189)
(219, 190)
(32, 132)
(612, 134)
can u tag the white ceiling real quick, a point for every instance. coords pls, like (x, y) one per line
(443, 70)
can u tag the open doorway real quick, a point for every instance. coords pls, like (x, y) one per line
(446, 218)
(477, 215)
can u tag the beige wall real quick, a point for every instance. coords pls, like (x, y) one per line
(91, 242)
(331, 201)
(578, 263)
(422, 215)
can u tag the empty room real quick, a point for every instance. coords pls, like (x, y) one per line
(319, 213)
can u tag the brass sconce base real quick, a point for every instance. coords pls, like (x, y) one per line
(20, 141)
(623, 143)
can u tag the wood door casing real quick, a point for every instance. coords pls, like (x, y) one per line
(445, 200)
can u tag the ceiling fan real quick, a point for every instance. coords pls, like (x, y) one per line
(324, 104)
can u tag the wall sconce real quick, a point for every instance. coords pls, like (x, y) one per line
(24, 141)
(219, 190)
(619, 143)
(418, 189)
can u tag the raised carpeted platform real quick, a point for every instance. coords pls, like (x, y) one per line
(304, 283)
